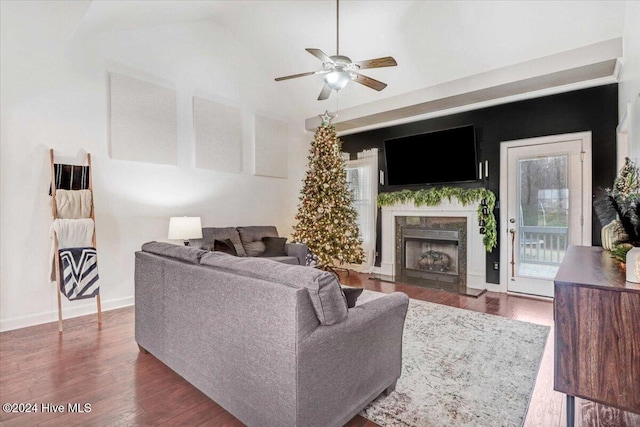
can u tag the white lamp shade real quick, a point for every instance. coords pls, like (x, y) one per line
(337, 79)
(185, 227)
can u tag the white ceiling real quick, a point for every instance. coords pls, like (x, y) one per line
(432, 41)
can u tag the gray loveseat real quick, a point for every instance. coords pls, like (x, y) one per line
(274, 344)
(248, 241)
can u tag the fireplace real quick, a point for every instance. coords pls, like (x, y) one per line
(448, 216)
(431, 252)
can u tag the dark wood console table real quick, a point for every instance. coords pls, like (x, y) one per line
(597, 331)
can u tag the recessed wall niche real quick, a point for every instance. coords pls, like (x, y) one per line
(218, 134)
(142, 121)
(271, 158)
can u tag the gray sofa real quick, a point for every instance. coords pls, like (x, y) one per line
(248, 241)
(272, 343)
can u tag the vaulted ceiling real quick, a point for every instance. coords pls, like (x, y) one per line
(433, 41)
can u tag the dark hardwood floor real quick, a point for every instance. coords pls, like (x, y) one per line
(103, 367)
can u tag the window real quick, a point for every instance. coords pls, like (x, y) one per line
(361, 179)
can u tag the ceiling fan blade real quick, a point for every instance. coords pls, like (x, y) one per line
(369, 82)
(320, 55)
(293, 76)
(324, 93)
(387, 61)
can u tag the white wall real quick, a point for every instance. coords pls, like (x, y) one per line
(629, 86)
(54, 94)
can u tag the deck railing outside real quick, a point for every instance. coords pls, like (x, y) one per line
(543, 245)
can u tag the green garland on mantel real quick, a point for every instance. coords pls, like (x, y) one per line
(434, 196)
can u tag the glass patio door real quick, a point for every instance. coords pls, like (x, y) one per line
(545, 203)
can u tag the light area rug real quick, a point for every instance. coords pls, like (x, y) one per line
(462, 368)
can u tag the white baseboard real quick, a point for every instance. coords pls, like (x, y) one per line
(491, 287)
(88, 307)
(530, 296)
(375, 270)
(495, 287)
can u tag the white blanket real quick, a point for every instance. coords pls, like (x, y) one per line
(73, 203)
(72, 233)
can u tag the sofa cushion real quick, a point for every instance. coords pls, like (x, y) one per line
(298, 250)
(274, 246)
(254, 248)
(225, 246)
(183, 253)
(255, 233)
(211, 234)
(351, 294)
(324, 289)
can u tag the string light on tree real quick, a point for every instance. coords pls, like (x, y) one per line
(326, 218)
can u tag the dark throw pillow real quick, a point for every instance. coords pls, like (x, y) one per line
(352, 295)
(225, 246)
(274, 246)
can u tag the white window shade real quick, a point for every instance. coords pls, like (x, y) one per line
(362, 177)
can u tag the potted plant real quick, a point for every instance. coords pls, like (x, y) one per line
(622, 203)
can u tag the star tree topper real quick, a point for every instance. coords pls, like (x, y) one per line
(326, 118)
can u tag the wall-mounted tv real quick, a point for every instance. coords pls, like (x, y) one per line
(431, 158)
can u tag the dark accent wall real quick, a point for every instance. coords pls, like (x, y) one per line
(594, 109)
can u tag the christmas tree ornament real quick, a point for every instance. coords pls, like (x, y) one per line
(326, 118)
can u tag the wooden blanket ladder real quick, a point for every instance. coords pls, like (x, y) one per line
(54, 211)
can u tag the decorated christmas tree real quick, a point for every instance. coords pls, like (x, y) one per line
(326, 217)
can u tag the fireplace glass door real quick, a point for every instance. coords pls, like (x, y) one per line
(431, 255)
(436, 256)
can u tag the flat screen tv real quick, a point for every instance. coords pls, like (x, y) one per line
(432, 158)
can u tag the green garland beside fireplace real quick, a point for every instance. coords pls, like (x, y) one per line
(434, 196)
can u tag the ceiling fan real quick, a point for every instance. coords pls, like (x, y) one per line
(339, 70)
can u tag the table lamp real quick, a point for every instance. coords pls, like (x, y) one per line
(185, 228)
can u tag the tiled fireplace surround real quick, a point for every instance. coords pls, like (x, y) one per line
(445, 236)
(448, 217)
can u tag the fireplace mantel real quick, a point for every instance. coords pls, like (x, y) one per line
(476, 253)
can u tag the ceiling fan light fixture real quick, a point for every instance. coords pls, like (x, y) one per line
(337, 79)
(339, 70)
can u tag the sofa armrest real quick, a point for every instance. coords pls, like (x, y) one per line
(346, 365)
(298, 250)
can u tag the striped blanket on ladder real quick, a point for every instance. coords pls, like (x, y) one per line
(70, 177)
(79, 273)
